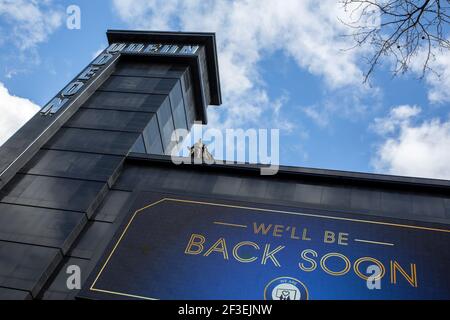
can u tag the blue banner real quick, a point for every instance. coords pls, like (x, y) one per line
(196, 248)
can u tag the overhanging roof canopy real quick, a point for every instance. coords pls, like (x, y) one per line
(208, 40)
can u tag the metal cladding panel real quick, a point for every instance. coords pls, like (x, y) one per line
(139, 84)
(365, 199)
(125, 101)
(166, 125)
(114, 205)
(227, 185)
(68, 164)
(110, 120)
(125, 181)
(139, 145)
(189, 100)
(429, 205)
(204, 74)
(447, 208)
(308, 193)
(397, 203)
(93, 240)
(178, 107)
(280, 190)
(55, 193)
(257, 188)
(11, 294)
(26, 267)
(157, 70)
(152, 138)
(372, 201)
(39, 226)
(95, 141)
(336, 196)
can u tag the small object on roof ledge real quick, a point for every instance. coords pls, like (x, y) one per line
(199, 151)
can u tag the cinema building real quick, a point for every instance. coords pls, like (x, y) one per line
(92, 207)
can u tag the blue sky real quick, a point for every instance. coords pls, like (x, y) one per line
(282, 66)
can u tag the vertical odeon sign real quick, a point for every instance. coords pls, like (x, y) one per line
(76, 86)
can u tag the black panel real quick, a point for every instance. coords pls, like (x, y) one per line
(226, 185)
(139, 85)
(57, 193)
(447, 208)
(337, 197)
(139, 145)
(40, 226)
(93, 240)
(166, 125)
(366, 199)
(397, 204)
(107, 142)
(178, 110)
(253, 187)
(161, 70)
(308, 193)
(125, 101)
(178, 180)
(110, 120)
(11, 294)
(428, 206)
(152, 138)
(74, 165)
(26, 267)
(189, 100)
(201, 182)
(114, 205)
(343, 198)
(280, 190)
(134, 177)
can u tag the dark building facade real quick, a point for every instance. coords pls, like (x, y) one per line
(89, 182)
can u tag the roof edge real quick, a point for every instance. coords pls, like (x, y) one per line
(314, 174)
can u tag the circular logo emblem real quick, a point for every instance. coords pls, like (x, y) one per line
(285, 288)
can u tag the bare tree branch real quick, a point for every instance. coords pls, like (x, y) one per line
(401, 30)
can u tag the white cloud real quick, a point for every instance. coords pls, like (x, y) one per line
(413, 149)
(307, 31)
(439, 81)
(30, 22)
(349, 103)
(317, 114)
(438, 77)
(15, 111)
(398, 117)
(25, 25)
